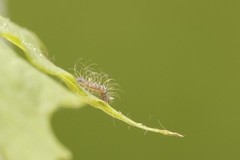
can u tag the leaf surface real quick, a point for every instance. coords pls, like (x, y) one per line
(28, 98)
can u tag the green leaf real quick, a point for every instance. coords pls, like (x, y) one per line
(28, 98)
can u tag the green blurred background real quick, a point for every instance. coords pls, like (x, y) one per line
(176, 61)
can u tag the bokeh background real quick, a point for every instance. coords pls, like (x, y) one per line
(178, 62)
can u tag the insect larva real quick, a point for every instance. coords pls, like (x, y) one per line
(95, 88)
(96, 83)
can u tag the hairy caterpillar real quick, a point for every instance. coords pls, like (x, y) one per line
(97, 83)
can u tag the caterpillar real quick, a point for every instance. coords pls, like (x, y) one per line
(97, 83)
